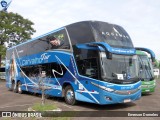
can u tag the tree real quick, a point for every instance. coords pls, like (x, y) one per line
(14, 29)
(2, 52)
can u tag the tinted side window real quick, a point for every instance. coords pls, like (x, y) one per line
(58, 40)
(22, 50)
(80, 33)
(37, 46)
(49, 68)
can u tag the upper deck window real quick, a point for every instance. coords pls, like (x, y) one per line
(58, 40)
(96, 31)
(80, 33)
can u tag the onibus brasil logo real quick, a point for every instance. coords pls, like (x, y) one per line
(4, 4)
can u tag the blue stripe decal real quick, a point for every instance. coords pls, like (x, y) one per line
(123, 51)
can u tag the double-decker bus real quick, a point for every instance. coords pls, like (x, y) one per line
(146, 69)
(90, 61)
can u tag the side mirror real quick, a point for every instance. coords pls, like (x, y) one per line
(130, 61)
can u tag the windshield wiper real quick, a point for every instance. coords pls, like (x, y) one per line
(107, 79)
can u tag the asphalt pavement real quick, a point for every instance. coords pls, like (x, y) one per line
(10, 101)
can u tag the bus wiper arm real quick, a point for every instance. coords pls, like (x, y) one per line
(107, 79)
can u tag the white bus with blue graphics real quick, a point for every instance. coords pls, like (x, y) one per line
(88, 61)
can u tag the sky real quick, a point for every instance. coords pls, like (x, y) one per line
(140, 18)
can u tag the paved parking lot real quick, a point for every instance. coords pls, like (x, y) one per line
(10, 101)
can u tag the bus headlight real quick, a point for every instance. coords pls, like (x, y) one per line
(103, 87)
(106, 89)
(154, 84)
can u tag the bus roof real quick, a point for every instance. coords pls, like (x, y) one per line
(86, 31)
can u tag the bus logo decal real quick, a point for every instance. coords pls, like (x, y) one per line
(36, 60)
(44, 56)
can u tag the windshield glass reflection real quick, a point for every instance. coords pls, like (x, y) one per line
(120, 67)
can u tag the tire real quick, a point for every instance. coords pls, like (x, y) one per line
(69, 95)
(19, 89)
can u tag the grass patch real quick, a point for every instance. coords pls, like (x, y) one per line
(40, 107)
(61, 118)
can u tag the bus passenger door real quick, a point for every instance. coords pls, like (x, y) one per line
(89, 71)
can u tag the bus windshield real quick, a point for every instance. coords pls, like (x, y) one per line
(146, 70)
(113, 35)
(120, 67)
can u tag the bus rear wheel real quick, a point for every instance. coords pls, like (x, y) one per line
(19, 89)
(69, 95)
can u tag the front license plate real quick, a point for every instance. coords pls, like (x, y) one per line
(127, 100)
(147, 90)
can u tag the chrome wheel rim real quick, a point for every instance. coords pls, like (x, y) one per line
(70, 95)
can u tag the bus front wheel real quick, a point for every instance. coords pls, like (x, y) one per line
(69, 95)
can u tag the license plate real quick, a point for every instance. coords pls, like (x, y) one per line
(147, 90)
(127, 100)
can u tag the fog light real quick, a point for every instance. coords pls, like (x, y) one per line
(109, 98)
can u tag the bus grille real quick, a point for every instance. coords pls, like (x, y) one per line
(126, 92)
